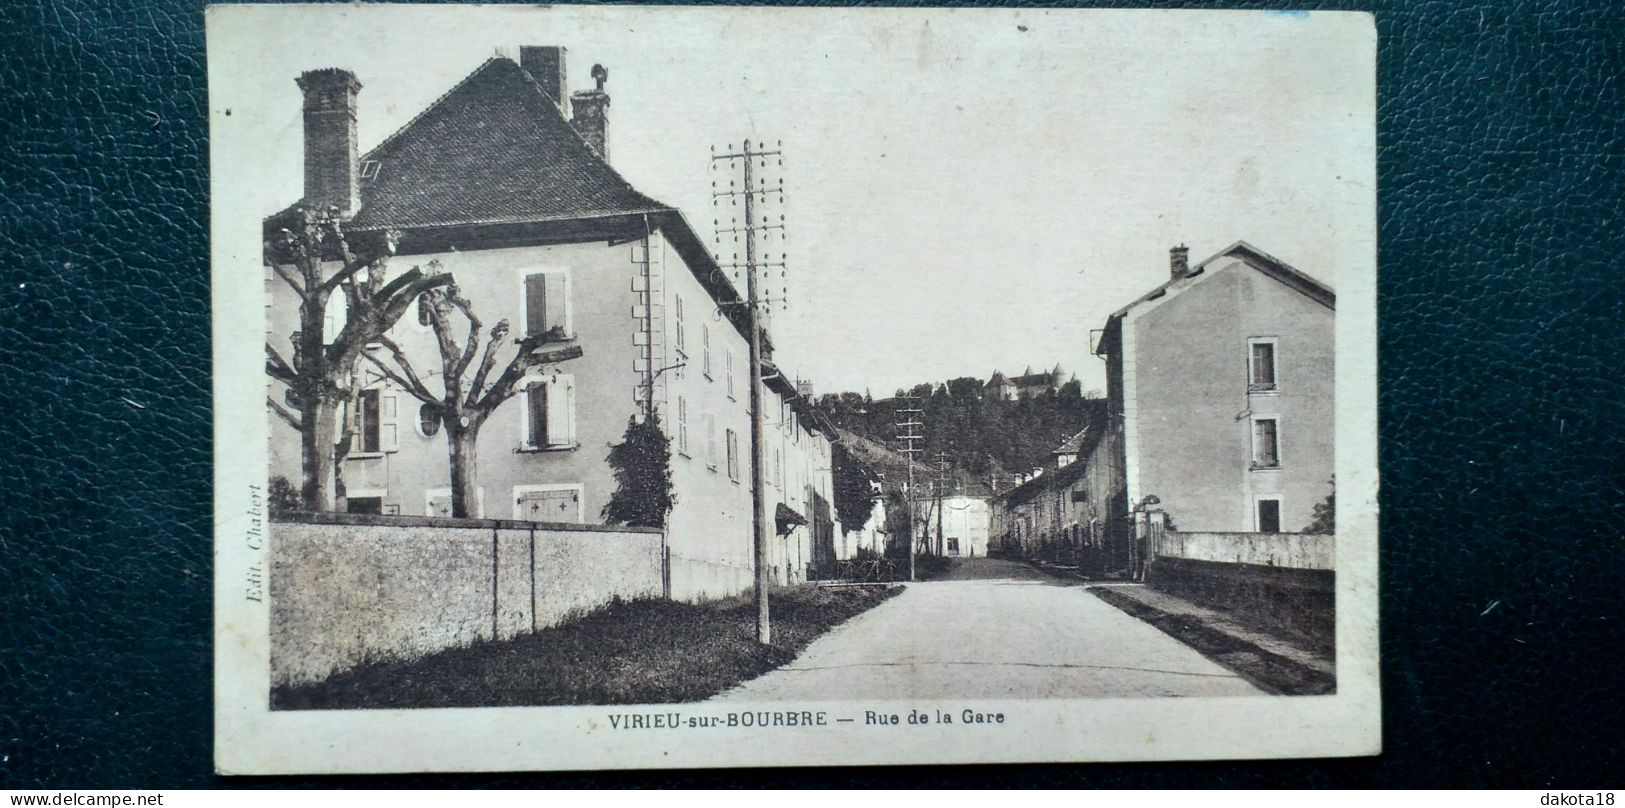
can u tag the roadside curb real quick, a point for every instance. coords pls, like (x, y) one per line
(1269, 671)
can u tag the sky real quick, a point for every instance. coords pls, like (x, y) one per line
(966, 190)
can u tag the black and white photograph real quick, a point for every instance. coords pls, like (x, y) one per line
(859, 387)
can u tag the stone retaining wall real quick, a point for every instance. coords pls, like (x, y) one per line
(347, 589)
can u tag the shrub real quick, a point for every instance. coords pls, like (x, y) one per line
(642, 464)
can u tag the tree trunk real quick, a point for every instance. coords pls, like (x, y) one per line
(464, 460)
(316, 455)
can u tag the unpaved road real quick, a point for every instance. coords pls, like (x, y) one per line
(993, 629)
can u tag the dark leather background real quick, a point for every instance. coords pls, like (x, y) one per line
(1501, 333)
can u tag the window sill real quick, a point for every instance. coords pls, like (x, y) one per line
(1263, 391)
(1256, 467)
(684, 455)
(364, 455)
(567, 447)
(711, 468)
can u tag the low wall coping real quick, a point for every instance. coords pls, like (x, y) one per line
(377, 520)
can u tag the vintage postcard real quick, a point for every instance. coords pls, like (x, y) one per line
(612, 387)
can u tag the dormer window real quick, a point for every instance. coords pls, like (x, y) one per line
(369, 169)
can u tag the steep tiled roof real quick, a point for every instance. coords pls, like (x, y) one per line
(495, 153)
(493, 149)
(1073, 444)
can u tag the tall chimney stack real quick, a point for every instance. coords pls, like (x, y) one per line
(545, 64)
(1179, 262)
(590, 113)
(331, 178)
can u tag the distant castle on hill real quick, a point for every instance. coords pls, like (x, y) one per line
(1028, 384)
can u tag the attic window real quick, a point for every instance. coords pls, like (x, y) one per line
(369, 169)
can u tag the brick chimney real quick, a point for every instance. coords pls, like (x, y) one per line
(1179, 262)
(331, 178)
(545, 64)
(590, 113)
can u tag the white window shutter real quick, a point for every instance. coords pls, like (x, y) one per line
(558, 411)
(388, 431)
(558, 301)
(570, 408)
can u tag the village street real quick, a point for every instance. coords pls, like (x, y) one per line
(993, 629)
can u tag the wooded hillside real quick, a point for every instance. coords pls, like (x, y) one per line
(982, 436)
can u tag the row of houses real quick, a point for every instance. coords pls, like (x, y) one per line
(1219, 419)
(505, 180)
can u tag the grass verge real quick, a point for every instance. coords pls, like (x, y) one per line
(1271, 672)
(639, 652)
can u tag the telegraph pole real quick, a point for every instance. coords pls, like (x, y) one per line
(911, 428)
(751, 265)
(942, 484)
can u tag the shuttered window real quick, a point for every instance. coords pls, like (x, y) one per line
(705, 348)
(536, 403)
(678, 308)
(682, 425)
(550, 413)
(547, 303)
(373, 422)
(1261, 366)
(1266, 443)
(733, 455)
(557, 504)
(366, 422)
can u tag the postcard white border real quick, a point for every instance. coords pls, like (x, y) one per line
(251, 739)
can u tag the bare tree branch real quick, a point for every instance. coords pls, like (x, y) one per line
(284, 413)
(407, 378)
(474, 326)
(278, 368)
(531, 355)
(287, 276)
(374, 317)
(498, 332)
(354, 263)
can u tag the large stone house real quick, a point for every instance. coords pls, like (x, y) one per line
(1219, 393)
(505, 180)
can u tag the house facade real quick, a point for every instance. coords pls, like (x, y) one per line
(504, 182)
(1219, 388)
(965, 524)
(1057, 515)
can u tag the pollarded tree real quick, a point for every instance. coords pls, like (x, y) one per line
(462, 409)
(317, 260)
